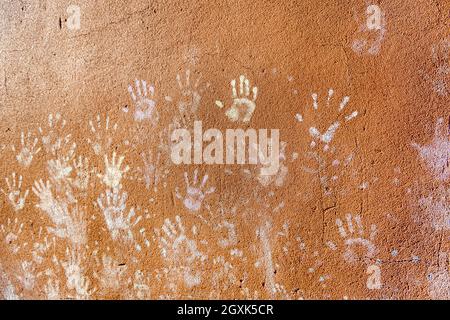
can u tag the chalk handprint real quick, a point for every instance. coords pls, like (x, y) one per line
(144, 103)
(354, 238)
(28, 149)
(243, 105)
(113, 171)
(14, 192)
(179, 251)
(113, 205)
(436, 154)
(195, 193)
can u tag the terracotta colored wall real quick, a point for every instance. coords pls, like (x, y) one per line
(94, 207)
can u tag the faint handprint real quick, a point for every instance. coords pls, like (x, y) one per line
(195, 193)
(14, 192)
(28, 149)
(144, 102)
(119, 223)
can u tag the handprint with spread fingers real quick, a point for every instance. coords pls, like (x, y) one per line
(243, 104)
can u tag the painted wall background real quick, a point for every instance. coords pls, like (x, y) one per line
(92, 206)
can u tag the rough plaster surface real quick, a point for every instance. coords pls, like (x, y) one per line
(93, 207)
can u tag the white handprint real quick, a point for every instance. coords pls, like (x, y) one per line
(243, 106)
(14, 191)
(101, 140)
(190, 97)
(68, 224)
(27, 149)
(140, 285)
(76, 280)
(194, 193)
(144, 103)
(27, 275)
(113, 206)
(44, 193)
(352, 240)
(51, 289)
(82, 171)
(436, 155)
(322, 151)
(60, 147)
(328, 134)
(58, 169)
(12, 232)
(112, 273)
(113, 173)
(177, 249)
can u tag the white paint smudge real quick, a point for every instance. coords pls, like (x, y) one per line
(439, 279)
(264, 231)
(436, 154)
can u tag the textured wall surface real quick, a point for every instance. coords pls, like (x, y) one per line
(93, 207)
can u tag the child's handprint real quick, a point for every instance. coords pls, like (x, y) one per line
(243, 106)
(144, 103)
(113, 205)
(352, 240)
(436, 154)
(179, 251)
(27, 149)
(195, 193)
(189, 96)
(113, 171)
(14, 191)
